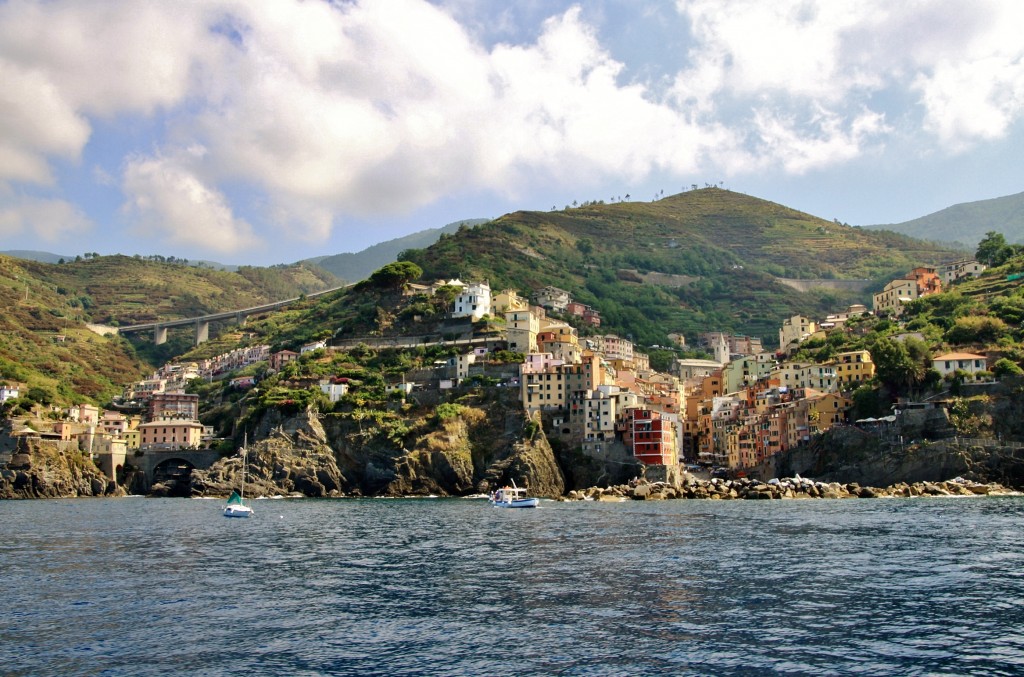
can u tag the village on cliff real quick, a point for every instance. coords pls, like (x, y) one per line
(596, 393)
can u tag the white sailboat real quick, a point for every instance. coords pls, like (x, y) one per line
(236, 506)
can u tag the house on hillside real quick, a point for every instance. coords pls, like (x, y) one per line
(315, 345)
(521, 329)
(334, 388)
(473, 301)
(554, 299)
(958, 270)
(794, 331)
(950, 363)
(174, 405)
(919, 282)
(9, 391)
(282, 357)
(508, 301)
(86, 414)
(853, 367)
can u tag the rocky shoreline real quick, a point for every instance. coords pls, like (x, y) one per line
(787, 488)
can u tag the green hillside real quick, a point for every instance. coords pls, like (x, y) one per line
(729, 248)
(45, 345)
(43, 338)
(127, 290)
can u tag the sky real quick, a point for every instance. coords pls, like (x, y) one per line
(269, 131)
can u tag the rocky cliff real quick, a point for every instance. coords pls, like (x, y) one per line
(489, 442)
(292, 458)
(851, 455)
(53, 469)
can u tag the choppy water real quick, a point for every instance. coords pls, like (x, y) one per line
(412, 587)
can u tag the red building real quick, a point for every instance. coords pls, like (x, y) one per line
(652, 438)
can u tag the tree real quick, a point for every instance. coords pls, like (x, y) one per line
(867, 403)
(976, 329)
(894, 367)
(1005, 367)
(396, 274)
(993, 250)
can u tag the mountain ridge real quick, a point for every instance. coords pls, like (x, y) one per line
(967, 222)
(356, 266)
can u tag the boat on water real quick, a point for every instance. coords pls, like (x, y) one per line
(236, 506)
(512, 497)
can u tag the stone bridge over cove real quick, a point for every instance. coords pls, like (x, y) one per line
(202, 323)
(173, 463)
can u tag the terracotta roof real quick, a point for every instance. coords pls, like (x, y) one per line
(959, 356)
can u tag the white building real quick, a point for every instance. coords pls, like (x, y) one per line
(554, 298)
(333, 389)
(952, 362)
(9, 391)
(473, 301)
(950, 272)
(310, 347)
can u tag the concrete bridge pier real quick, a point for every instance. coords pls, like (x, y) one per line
(202, 331)
(159, 335)
(240, 319)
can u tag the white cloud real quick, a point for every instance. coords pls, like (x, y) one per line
(800, 150)
(966, 60)
(49, 220)
(331, 110)
(169, 200)
(35, 122)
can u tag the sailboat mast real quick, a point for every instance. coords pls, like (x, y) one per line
(245, 462)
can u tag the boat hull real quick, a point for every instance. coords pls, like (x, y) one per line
(238, 511)
(518, 503)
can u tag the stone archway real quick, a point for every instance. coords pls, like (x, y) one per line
(172, 477)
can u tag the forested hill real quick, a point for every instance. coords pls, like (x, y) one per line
(708, 259)
(968, 222)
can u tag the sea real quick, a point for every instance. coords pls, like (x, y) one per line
(430, 586)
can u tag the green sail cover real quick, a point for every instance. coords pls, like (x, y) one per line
(234, 499)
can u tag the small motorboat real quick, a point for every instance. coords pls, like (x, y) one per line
(512, 497)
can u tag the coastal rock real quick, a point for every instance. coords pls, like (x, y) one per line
(489, 443)
(53, 469)
(294, 459)
(787, 488)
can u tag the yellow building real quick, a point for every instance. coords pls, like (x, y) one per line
(170, 434)
(853, 367)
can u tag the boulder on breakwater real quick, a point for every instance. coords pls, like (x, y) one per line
(790, 487)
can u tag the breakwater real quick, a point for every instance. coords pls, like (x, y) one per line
(786, 488)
